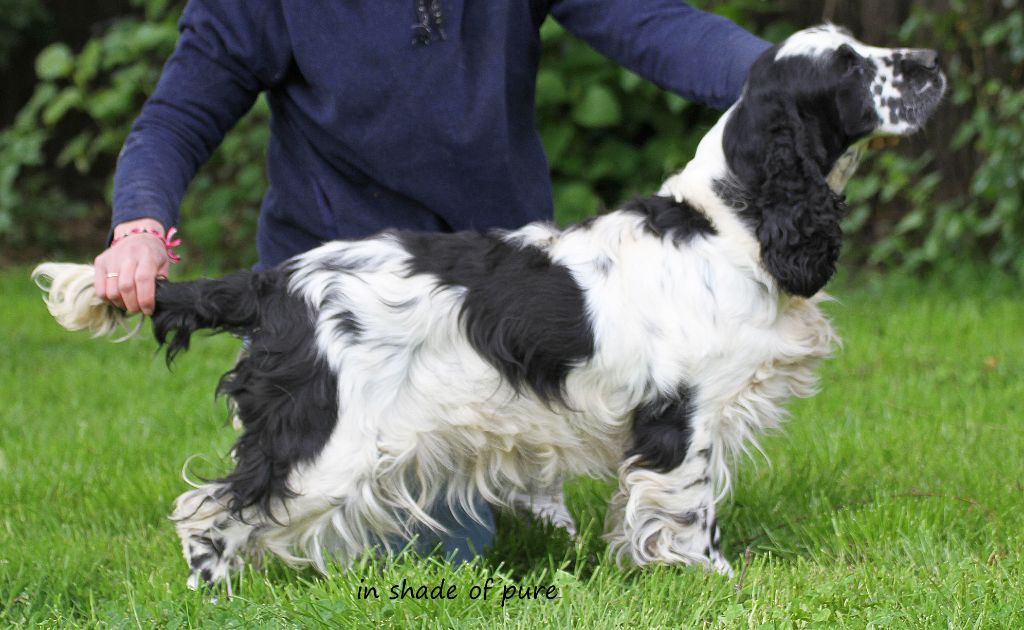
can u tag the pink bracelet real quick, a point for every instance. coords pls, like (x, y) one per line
(169, 244)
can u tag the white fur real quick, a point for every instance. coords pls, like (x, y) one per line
(71, 300)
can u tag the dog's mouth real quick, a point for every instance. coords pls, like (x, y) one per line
(921, 86)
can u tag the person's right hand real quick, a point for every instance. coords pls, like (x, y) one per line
(126, 273)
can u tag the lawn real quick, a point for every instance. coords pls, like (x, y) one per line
(892, 499)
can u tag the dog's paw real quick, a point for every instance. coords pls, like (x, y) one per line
(548, 508)
(720, 565)
(208, 561)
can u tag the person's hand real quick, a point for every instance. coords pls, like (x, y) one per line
(126, 273)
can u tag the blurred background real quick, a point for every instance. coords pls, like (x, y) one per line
(74, 74)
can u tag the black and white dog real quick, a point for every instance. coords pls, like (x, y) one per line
(654, 341)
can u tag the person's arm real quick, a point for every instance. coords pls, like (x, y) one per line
(228, 52)
(700, 56)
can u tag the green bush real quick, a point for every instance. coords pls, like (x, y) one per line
(608, 134)
(17, 17)
(57, 159)
(984, 61)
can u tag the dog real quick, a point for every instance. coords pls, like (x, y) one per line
(653, 342)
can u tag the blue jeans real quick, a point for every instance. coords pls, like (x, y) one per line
(465, 538)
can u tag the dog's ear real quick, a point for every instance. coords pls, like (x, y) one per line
(797, 223)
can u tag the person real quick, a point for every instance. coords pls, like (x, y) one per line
(414, 114)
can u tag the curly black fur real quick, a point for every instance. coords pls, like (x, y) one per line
(781, 145)
(284, 391)
(227, 304)
(798, 227)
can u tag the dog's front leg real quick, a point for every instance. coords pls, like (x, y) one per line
(668, 516)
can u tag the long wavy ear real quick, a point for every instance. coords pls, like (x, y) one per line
(798, 222)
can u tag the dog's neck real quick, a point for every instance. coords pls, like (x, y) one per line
(701, 183)
(709, 184)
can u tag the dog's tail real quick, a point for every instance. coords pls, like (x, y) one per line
(228, 304)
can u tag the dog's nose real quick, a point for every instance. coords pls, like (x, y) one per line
(914, 59)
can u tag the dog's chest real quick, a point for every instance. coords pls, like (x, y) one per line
(791, 351)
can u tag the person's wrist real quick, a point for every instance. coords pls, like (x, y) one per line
(151, 229)
(125, 228)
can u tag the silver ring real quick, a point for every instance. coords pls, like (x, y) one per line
(112, 274)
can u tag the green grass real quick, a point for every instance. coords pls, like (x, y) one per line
(893, 498)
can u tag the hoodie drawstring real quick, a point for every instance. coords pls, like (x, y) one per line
(430, 22)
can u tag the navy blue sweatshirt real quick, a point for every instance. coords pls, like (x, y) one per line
(370, 130)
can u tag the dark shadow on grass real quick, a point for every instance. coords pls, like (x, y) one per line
(524, 545)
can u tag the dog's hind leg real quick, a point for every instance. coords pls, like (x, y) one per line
(212, 538)
(547, 506)
(664, 508)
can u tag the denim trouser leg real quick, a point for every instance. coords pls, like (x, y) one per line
(466, 538)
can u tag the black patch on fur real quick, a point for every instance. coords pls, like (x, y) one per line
(667, 217)
(523, 313)
(662, 431)
(730, 193)
(196, 561)
(698, 482)
(228, 304)
(349, 325)
(285, 393)
(686, 519)
(214, 543)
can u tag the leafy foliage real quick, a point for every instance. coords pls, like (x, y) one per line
(985, 65)
(17, 17)
(608, 134)
(580, 97)
(57, 158)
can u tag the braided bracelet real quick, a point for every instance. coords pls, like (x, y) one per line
(169, 244)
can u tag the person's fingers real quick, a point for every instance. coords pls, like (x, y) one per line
(125, 274)
(145, 286)
(126, 284)
(99, 281)
(113, 294)
(111, 291)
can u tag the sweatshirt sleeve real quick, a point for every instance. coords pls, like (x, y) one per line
(700, 56)
(227, 53)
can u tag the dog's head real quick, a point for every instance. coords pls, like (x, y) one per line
(806, 102)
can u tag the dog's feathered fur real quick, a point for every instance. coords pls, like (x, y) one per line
(654, 341)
